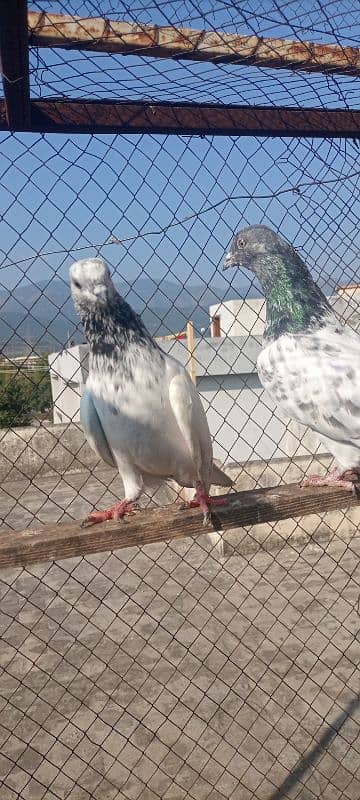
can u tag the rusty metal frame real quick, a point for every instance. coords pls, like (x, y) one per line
(17, 112)
(14, 55)
(126, 38)
(103, 116)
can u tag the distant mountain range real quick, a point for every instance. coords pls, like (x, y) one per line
(41, 317)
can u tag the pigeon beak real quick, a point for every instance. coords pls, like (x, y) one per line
(228, 261)
(100, 293)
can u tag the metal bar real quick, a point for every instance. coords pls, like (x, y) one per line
(102, 35)
(14, 55)
(164, 524)
(103, 116)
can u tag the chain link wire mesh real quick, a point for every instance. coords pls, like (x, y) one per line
(208, 668)
(100, 75)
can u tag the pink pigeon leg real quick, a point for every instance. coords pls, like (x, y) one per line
(203, 500)
(117, 511)
(336, 479)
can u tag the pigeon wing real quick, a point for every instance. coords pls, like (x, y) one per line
(339, 396)
(93, 429)
(314, 379)
(190, 417)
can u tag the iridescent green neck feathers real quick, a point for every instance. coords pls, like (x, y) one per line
(294, 303)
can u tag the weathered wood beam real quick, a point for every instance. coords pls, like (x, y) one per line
(102, 35)
(14, 57)
(104, 116)
(164, 524)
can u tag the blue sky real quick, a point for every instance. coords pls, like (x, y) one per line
(60, 193)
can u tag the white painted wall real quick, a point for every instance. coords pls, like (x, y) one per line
(346, 303)
(68, 372)
(245, 425)
(240, 317)
(247, 317)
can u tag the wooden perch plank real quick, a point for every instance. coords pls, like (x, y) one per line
(102, 35)
(14, 55)
(164, 524)
(103, 116)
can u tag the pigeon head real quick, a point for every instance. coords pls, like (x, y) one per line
(91, 284)
(110, 324)
(257, 249)
(294, 302)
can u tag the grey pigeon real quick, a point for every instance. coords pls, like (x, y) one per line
(140, 411)
(310, 362)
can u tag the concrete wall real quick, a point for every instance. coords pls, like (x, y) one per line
(27, 452)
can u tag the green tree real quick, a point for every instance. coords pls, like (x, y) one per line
(23, 394)
(14, 404)
(40, 387)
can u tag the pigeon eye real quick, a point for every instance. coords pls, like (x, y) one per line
(77, 284)
(241, 243)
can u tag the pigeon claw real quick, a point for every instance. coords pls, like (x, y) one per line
(203, 500)
(336, 479)
(207, 519)
(116, 512)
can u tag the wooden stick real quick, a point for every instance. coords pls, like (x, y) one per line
(127, 38)
(14, 56)
(164, 524)
(191, 347)
(171, 336)
(104, 116)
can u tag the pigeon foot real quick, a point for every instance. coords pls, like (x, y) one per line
(203, 500)
(117, 511)
(337, 479)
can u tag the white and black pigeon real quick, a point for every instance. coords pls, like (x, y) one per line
(310, 361)
(140, 411)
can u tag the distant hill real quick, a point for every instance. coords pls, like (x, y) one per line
(42, 316)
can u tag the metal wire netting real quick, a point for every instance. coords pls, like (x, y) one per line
(97, 75)
(224, 666)
(74, 74)
(162, 211)
(165, 673)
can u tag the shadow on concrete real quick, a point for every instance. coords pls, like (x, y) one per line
(309, 760)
